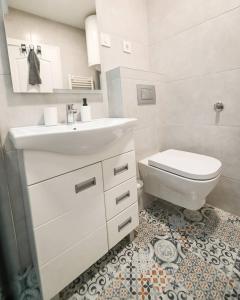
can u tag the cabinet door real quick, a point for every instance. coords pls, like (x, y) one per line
(66, 209)
(76, 190)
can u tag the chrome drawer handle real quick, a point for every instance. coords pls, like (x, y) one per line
(122, 197)
(124, 224)
(121, 169)
(85, 185)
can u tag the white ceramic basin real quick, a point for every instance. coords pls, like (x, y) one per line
(78, 138)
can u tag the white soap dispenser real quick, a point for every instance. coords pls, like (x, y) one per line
(85, 111)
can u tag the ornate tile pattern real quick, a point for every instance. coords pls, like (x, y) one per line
(201, 279)
(215, 252)
(177, 254)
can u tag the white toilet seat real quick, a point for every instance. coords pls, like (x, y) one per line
(186, 164)
(180, 177)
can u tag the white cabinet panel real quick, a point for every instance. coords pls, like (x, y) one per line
(62, 233)
(120, 197)
(118, 169)
(122, 225)
(57, 196)
(66, 267)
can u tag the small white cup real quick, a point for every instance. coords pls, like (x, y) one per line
(50, 116)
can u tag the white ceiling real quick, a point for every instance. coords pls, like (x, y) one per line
(71, 12)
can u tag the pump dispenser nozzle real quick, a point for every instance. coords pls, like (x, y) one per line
(85, 102)
(85, 111)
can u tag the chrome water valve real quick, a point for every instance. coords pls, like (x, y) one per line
(219, 106)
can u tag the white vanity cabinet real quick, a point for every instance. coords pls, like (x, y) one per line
(79, 207)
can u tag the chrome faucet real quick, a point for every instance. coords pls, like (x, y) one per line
(70, 113)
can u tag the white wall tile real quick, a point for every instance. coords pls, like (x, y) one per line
(146, 142)
(123, 103)
(211, 47)
(226, 195)
(147, 115)
(114, 57)
(191, 101)
(168, 18)
(126, 19)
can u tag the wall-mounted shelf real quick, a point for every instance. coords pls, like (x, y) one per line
(68, 91)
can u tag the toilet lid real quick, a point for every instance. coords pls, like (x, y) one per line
(186, 164)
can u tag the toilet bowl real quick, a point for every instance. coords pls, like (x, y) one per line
(182, 178)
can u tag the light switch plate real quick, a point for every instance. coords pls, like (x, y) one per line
(127, 47)
(105, 40)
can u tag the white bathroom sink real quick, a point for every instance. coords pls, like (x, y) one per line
(78, 138)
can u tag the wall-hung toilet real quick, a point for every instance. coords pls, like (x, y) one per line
(182, 178)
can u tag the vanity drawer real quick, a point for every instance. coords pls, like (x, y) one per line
(72, 191)
(120, 197)
(118, 169)
(122, 225)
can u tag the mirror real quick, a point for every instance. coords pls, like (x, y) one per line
(53, 46)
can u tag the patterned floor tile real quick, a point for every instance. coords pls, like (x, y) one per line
(167, 252)
(236, 267)
(215, 252)
(132, 285)
(229, 233)
(233, 288)
(201, 279)
(175, 291)
(142, 259)
(115, 290)
(159, 278)
(146, 232)
(177, 254)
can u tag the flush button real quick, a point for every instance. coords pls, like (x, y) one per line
(146, 94)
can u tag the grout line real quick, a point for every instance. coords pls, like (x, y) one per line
(199, 125)
(231, 178)
(202, 75)
(195, 25)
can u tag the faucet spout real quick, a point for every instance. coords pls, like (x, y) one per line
(70, 113)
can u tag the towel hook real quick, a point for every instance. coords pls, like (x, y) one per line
(23, 49)
(39, 50)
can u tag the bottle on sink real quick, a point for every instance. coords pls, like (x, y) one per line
(85, 111)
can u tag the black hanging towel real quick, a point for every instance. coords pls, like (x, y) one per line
(34, 68)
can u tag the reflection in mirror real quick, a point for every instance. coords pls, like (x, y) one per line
(53, 45)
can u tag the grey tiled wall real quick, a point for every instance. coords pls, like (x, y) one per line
(197, 46)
